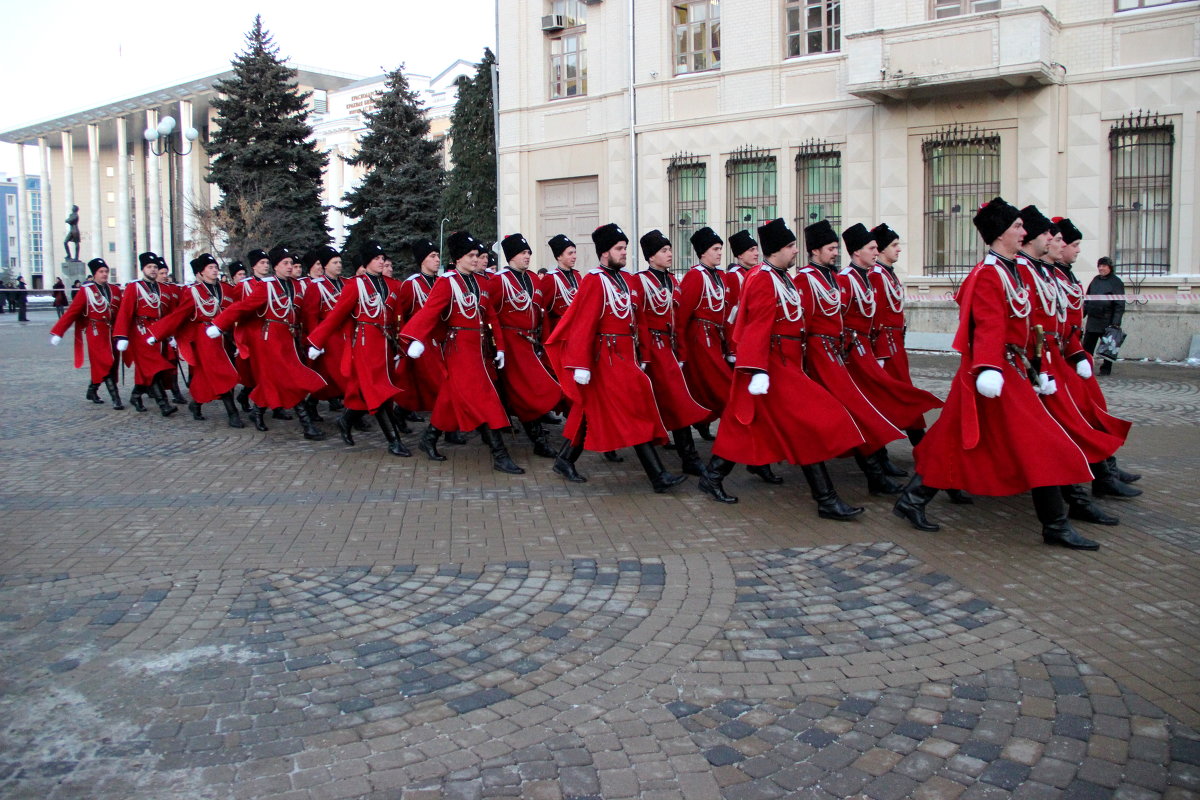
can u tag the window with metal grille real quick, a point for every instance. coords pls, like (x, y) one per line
(818, 185)
(813, 26)
(1129, 5)
(1140, 151)
(687, 182)
(750, 189)
(962, 172)
(940, 9)
(697, 35)
(568, 51)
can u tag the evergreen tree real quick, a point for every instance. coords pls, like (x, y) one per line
(399, 196)
(264, 159)
(471, 190)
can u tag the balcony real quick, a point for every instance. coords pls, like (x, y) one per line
(976, 52)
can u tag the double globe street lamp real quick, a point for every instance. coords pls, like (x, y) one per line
(161, 142)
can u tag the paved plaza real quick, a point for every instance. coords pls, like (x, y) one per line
(192, 611)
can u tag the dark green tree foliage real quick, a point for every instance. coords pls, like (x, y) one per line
(471, 190)
(399, 196)
(264, 158)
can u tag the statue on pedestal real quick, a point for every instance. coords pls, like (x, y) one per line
(72, 234)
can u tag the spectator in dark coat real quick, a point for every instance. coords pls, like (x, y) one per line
(60, 297)
(1103, 314)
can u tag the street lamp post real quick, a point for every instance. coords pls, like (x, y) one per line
(161, 142)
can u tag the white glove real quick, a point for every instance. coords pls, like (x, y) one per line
(314, 353)
(989, 383)
(54, 340)
(1084, 368)
(642, 365)
(171, 342)
(415, 349)
(582, 376)
(760, 383)
(212, 332)
(122, 345)
(680, 363)
(731, 359)
(1046, 384)
(499, 359)
(150, 340)
(879, 361)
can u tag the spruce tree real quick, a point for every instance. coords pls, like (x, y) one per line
(471, 189)
(264, 159)
(399, 197)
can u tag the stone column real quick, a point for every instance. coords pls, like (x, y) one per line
(24, 218)
(124, 265)
(68, 155)
(50, 251)
(96, 243)
(187, 192)
(153, 189)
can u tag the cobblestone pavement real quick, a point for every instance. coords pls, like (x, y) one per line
(190, 611)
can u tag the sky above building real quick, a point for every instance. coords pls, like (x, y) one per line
(65, 56)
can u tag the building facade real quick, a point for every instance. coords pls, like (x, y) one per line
(21, 230)
(10, 237)
(675, 114)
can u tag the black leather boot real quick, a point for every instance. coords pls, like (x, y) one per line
(399, 418)
(93, 393)
(362, 423)
(312, 409)
(712, 481)
(910, 505)
(960, 497)
(111, 384)
(501, 460)
(235, 419)
(387, 425)
(243, 398)
(135, 398)
(335, 404)
(685, 445)
(829, 505)
(345, 424)
(877, 482)
(613, 456)
(196, 409)
(890, 469)
(1107, 485)
(1120, 474)
(705, 431)
(660, 479)
(765, 472)
(564, 462)
(1052, 513)
(282, 413)
(160, 397)
(1080, 507)
(428, 443)
(311, 431)
(412, 416)
(257, 413)
(537, 435)
(915, 435)
(456, 437)
(173, 386)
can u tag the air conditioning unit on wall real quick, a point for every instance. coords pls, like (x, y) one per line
(552, 23)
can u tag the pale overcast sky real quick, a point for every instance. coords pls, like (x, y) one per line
(63, 56)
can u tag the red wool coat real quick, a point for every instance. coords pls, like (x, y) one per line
(419, 379)
(212, 372)
(796, 420)
(270, 316)
(320, 298)
(1003, 445)
(240, 337)
(656, 339)
(888, 330)
(616, 408)
(93, 311)
(702, 318)
(529, 389)
(826, 364)
(559, 286)
(143, 303)
(457, 316)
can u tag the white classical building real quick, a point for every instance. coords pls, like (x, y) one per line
(675, 114)
(135, 195)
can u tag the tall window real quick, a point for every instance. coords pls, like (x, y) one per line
(687, 181)
(818, 185)
(568, 51)
(813, 26)
(1140, 151)
(940, 9)
(751, 187)
(697, 35)
(962, 172)
(1127, 5)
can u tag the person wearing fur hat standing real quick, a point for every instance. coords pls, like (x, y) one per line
(994, 435)
(143, 303)
(704, 308)
(270, 314)
(93, 311)
(457, 313)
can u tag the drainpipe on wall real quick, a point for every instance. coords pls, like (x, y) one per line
(633, 151)
(496, 117)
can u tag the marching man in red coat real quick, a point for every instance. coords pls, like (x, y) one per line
(745, 251)
(420, 379)
(562, 282)
(776, 412)
(529, 389)
(271, 314)
(260, 269)
(324, 289)
(144, 303)
(595, 345)
(172, 292)
(703, 315)
(366, 310)
(994, 436)
(657, 348)
(459, 310)
(93, 311)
